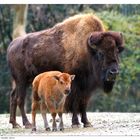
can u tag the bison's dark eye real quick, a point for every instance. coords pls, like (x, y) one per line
(99, 56)
(120, 49)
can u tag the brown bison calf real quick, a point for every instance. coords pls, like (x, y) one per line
(49, 91)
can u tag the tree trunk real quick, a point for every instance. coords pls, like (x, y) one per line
(20, 20)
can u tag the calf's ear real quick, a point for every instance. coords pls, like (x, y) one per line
(56, 77)
(72, 77)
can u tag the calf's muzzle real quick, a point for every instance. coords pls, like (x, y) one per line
(67, 91)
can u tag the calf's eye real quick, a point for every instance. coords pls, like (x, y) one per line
(61, 82)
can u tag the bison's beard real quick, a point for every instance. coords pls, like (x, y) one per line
(108, 86)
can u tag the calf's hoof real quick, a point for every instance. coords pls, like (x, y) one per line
(57, 120)
(33, 129)
(54, 129)
(48, 129)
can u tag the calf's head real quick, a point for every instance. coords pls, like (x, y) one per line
(64, 82)
(105, 48)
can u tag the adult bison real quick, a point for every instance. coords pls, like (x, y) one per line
(79, 45)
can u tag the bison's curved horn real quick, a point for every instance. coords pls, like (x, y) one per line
(121, 34)
(118, 36)
(94, 39)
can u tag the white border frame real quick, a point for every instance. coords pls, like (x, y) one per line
(70, 2)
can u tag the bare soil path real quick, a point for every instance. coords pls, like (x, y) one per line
(104, 124)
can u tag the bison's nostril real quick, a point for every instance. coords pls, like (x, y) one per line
(111, 74)
(113, 71)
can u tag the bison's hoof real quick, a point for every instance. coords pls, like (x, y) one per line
(16, 125)
(33, 129)
(75, 125)
(48, 129)
(28, 126)
(88, 124)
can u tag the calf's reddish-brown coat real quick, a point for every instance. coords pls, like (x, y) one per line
(49, 91)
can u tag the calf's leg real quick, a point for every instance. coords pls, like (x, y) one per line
(54, 126)
(35, 106)
(61, 125)
(43, 112)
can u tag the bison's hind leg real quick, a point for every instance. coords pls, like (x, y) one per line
(13, 106)
(21, 95)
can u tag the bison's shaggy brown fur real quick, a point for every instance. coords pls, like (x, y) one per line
(79, 45)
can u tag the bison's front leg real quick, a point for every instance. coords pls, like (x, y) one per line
(83, 113)
(75, 121)
(84, 120)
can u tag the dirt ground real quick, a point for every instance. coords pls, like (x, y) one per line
(104, 124)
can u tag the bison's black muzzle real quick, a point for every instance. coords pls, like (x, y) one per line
(111, 74)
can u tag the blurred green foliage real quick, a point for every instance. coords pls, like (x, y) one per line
(125, 96)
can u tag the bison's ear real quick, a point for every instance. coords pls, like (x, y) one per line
(94, 39)
(72, 77)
